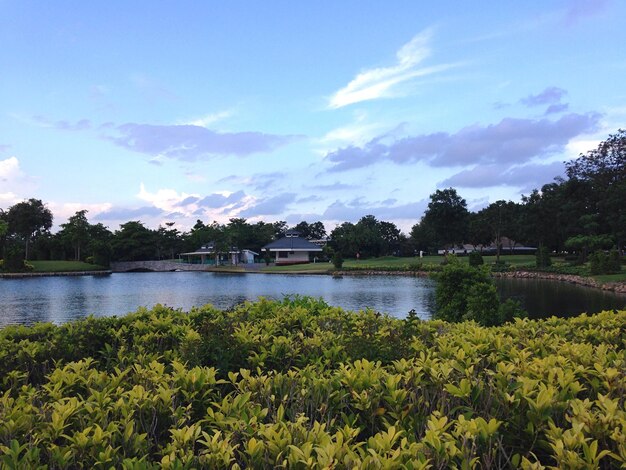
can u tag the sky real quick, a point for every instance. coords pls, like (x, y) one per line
(328, 110)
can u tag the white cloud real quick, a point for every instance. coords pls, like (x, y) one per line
(64, 210)
(15, 185)
(378, 82)
(9, 169)
(208, 119)
(357, 132)
(164, 199)
(190, 207)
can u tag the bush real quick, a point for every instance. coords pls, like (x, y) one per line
(542, 257)
(14, 260)
(601, 263)
(337, 260)
(89, 260)
(476, 259)
(465, 292)
(301, 384)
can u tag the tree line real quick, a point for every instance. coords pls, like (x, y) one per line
(581, 213)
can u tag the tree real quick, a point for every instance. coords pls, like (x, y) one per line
(447, 217)
(28, 220)
(133, 242)
(4, 230)
(313, 231)
(499, 217)
(464, 292)
(77, 231)
(100, 238)
(604, 170)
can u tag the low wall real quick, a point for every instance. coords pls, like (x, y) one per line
(157, 266)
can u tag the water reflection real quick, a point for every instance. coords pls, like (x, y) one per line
(59, 299)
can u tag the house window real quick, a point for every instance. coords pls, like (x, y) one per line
(283, 254)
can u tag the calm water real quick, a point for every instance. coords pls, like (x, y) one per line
(59, 299)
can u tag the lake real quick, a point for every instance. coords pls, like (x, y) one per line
(61, 299)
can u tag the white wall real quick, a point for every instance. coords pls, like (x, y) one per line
(295, 257)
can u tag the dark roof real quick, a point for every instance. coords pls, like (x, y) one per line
(291, 244)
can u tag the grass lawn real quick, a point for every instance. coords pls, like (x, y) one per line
(395, 263)
(311, 267)
(619, 277)
(64, 266)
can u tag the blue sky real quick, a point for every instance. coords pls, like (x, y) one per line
(282, 110)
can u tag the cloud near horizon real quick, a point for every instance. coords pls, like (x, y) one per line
(353, 210)
(511, 141)
(270, 206)
(525, 177)
(190, 142)
(378, 82)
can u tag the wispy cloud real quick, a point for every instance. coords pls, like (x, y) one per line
(511, 141)
(336, 186)
(208, 119)
(62, 125)
(550, 95)
(187, 142)
(582, 9)
(379, 82)
(270, 206)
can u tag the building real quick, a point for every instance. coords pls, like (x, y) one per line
(292, 249)
(206, 255)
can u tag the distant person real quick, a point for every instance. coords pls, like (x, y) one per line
(421, 254)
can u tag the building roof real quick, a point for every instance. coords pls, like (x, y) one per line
(291, 243)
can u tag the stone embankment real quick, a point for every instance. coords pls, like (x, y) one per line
(619, 287)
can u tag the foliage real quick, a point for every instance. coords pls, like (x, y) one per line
(313, 231)
(369, 237)
(465, 292)
(28, 220)
(337, 260)
(475, 259)
(133, 242)
(603, 170)
(299, 384)
(13, 259)
(446, 219)
(603, 263)
(542, 257)
(585, 244)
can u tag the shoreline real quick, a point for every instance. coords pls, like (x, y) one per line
(52, 274)
(617, 287)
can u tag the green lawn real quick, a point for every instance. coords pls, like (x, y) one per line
(309, 268)
(64, 266)
(395, 263)
(619, 277)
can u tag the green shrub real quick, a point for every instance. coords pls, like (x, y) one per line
(542, 257)
(464, 292)
(602, 263)
(337, 260)
(306, 385)
(89, 260)
(14, 259)
(476, 259)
